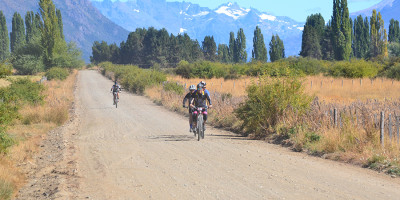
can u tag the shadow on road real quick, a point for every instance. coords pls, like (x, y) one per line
(173, 138)
(230, 137)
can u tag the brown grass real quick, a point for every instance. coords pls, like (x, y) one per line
(327, 89)
(359, 101)
(31, 129)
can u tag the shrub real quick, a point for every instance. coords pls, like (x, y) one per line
(394, 49)
(6, 190)
(26, 91)
(173, 87)
(57, 73)
(393, 72)
(5, 141)
(354, 69)
(5, 70)
(134, 78)
(272, 102)
(28, 64)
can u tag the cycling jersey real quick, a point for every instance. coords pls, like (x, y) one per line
(189, 96)
(200, 99)
(115, 88)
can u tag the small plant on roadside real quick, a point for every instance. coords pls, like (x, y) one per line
(57, 73)
(173, 87)
(6, 190)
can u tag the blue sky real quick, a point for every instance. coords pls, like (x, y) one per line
(295, 9)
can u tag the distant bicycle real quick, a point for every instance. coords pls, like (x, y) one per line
(115, 99)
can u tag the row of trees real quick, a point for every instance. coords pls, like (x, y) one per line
(37, 43)
(342, 38)
(146, 47)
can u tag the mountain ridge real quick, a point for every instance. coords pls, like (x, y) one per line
(198, 22)
(83, 23)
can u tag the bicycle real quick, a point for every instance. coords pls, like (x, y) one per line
(199, 129)
(115, 99)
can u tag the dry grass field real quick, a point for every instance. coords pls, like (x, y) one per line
(328, 89)
(32, 127)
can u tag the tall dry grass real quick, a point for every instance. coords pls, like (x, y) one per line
(358, 101)
(325, 88)
(32, 127)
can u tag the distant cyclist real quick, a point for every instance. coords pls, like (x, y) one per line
(200, 100)
(189, 96)
(116, 89)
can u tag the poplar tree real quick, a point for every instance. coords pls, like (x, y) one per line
(223, 53)
(378, 43)
(50, 32)
(240, 44)
(276, 48)
(361, 35)
(4, 39)
(209, 48)
(312, 36)
(232, 47)
(33, 24)
(17, 34)
(346, 30)
(60, 23)
(259, 50)
(394, 31)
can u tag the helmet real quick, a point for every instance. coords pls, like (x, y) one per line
(115, 82)
(192, 87)
(200, 86)
(203, 83)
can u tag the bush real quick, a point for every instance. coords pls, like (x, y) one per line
(57, 73)
(134, 78)
(393, 72)
(354, 69)
(5, 141)
(26, 91)
(28, 64)
(272, 102)
(394, 49)
(173, 87)
(5, 70)
(6, 190)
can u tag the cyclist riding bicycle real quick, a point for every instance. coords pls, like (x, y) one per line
(189, 96)
(115, 89)
(200, 100)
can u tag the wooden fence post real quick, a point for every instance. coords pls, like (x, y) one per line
(390, 127)
(397, 128)
(342, 82)
(335, 117)
(382, 137)
(311, 84)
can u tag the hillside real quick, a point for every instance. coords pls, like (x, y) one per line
(198, 22)
(83, 23)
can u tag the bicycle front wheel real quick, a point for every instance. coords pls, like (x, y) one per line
(200, 127)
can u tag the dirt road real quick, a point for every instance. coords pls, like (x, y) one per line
(142, 151)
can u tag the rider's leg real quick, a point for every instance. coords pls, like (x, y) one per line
(118, 95)
(205, 114)
(190, 119)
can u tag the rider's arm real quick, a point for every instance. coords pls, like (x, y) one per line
(187, 98)
(208, 98)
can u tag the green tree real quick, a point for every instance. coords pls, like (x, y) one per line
(276, 48)
(361, 37)
(60, 23)
(223, 53)
(259, 50)
(33, 24)
(4, 39)
(378, 42)
(232, 47)
(326, 43)
(50, 32)
(312, 36)
(346, 30)
(209, 48)
(240, 44)
(394, 31)
(17, 34)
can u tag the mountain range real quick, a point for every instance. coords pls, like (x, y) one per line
(83, 23)
(198, 22)
(389, 9)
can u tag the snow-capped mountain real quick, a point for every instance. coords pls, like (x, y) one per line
(198, 22)
(388, 8)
